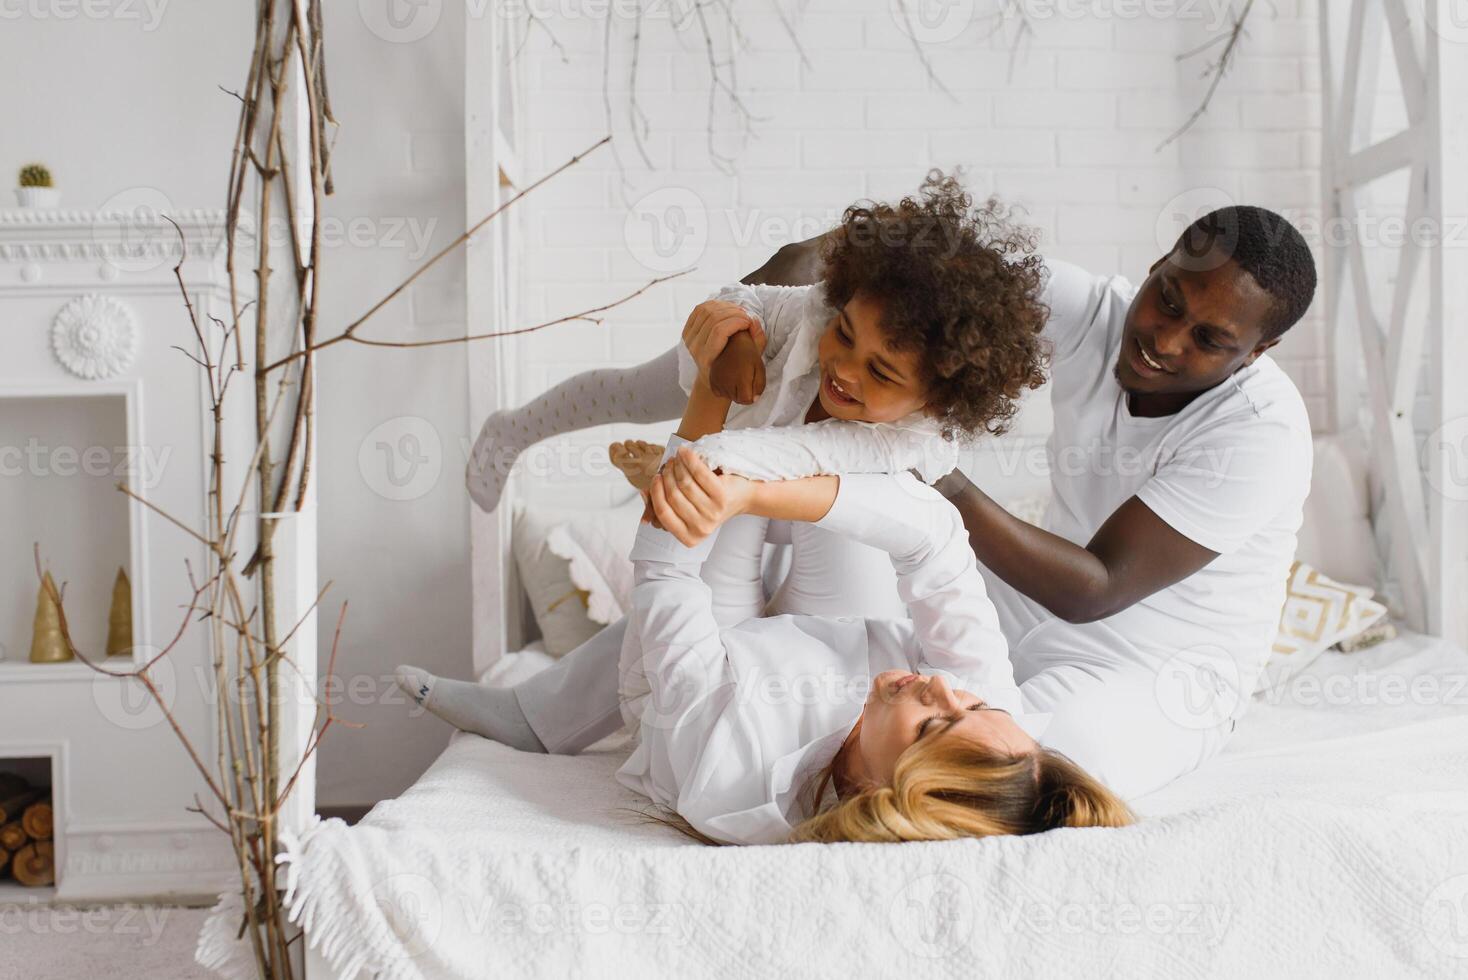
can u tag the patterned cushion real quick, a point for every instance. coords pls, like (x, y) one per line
(1318, 613)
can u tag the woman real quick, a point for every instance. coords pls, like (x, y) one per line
(916, 724)
(928, 310)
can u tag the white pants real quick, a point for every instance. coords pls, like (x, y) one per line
(1127, 719)
(574, 702)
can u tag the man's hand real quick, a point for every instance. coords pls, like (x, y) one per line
(707, 334)
(690, 500)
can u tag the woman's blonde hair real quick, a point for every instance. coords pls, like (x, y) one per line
(948, 787)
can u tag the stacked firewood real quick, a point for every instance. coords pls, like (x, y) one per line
(26, 850)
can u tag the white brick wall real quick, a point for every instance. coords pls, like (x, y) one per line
(1070, 130)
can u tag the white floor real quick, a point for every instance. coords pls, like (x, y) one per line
(127, 942)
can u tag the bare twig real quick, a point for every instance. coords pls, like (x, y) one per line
(352, 327)
(1214, 71)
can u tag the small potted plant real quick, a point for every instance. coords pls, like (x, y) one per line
(36, 190)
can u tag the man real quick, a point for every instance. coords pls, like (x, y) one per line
(1142, 610)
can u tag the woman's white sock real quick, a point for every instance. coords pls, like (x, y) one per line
(489, 711)
(648, 392)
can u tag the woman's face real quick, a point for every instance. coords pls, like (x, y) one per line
(904, 707)
(862, 378)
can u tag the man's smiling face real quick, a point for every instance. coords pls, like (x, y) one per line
(1191, 325)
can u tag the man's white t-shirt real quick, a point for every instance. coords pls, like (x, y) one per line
(1230, 471)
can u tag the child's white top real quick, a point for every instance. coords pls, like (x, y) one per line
(733, 723)
(794, 317)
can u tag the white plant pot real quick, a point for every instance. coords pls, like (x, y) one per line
(38, 197)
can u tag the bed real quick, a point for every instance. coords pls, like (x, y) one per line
(1330, 831)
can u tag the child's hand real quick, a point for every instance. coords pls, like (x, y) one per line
(707, 333)
(690, 500)
(738, 373)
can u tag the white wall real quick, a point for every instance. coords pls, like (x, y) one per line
(130, 110)
(1072, 136)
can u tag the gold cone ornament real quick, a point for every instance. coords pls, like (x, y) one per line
(47, 645)
(120, 617)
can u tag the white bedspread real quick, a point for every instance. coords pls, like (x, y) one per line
(1329, 839)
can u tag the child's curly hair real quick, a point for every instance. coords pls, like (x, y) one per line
(960, 285)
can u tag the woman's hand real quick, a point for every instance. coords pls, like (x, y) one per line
(690, 500)
(707, 333)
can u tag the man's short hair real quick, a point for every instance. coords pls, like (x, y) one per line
(1268, 248)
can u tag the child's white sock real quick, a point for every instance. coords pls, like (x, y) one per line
(645, 393)
(493, 712)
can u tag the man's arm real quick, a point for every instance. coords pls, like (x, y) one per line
(1134, 554)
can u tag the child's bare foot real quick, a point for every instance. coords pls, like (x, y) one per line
(638, 461)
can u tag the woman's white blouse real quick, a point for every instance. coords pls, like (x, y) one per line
(734, 723)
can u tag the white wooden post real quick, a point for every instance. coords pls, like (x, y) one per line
(491, 174)
(1421, 514)
(1446, 450)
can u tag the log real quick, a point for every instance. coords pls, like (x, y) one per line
(4, 860)
(11, 808)
(12, 836)
(35, 864)
(36, 820)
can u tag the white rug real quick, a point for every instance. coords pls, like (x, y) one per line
(126, 942)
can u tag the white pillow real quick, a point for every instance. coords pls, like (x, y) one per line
(595, 547)
(594, 539)
(1318, 613)
(1336, 535)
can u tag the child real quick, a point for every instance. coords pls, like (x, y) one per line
(926, 327)
(952, 290)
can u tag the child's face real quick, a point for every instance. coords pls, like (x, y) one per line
(862, 378)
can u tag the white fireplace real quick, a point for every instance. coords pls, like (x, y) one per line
(92, 392)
